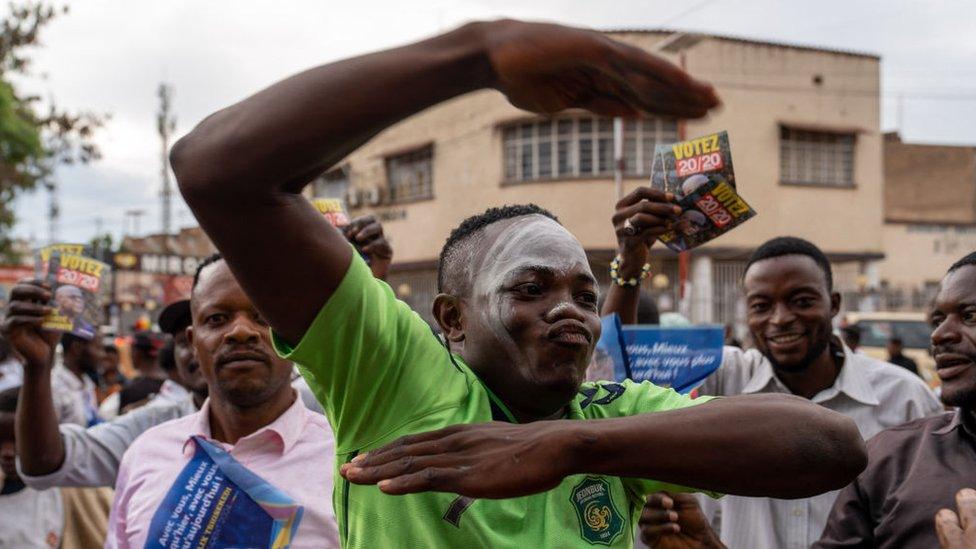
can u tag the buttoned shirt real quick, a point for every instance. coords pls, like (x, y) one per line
(875, 394)
(913, 471)
(295, 453)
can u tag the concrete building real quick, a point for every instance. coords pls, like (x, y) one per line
(930, 218)
(804, 129)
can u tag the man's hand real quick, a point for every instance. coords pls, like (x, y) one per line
(366, 233)
(639, 219)
(486, 460)
(547, 68)
(675, 521)
(958, 531)
(22, 325)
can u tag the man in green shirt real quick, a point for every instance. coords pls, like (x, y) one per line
(485, 437)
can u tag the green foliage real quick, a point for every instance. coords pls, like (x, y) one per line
(34, 138)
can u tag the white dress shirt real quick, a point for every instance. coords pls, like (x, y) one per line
(875, 394)
(31, 519)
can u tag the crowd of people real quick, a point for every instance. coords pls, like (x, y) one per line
(294, 375)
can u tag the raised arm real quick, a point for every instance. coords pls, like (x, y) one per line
(758, 445)
(39, 445)
(241, 170)
(640, 218)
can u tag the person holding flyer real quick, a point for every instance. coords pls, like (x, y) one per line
(518, 308)
(790, 301)
(234, 473)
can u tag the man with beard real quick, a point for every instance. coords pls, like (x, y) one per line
(517, 308)
(916, 469)
(790, 303)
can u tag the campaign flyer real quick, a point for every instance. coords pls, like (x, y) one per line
(679, 358)
(79, 283)
(699, 173)
(333, 210)
(216, 502)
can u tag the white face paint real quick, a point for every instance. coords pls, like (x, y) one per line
(528, 243)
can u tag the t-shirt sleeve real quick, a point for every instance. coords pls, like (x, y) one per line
(630, 399)
(371, 361)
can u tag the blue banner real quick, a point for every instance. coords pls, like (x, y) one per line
(217, 502)
(608, 356)
(679, 358)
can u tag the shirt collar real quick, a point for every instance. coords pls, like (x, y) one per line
(850, 381)
(959, 421)
(286, 429)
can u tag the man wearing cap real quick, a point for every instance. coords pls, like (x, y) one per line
(151, 375)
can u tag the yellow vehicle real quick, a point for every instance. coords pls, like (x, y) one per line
(912, 328)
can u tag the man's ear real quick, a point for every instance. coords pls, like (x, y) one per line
(834, 304)
(447, 312)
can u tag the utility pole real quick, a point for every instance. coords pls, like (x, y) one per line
(165, 125)
(53, 212)
(134, 215)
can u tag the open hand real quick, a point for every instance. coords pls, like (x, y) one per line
(484, 460)
(22, 326)
(547, 68)
(958, 531)
(366, 233)
(675, 521)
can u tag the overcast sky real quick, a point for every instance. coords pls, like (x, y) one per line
(110, 55)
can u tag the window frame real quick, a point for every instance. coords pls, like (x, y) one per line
(421, 194)
(820, 157)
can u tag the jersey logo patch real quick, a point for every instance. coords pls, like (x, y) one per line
(600, 521)
(614, 391)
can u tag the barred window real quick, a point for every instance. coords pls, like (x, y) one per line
(331, 184)
(410, 175)
(580, 146)
(816, 158)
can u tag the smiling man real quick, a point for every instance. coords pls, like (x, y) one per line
(916, 469)
(790, 303)
(517, 306)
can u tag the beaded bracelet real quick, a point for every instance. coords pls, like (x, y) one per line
(633, 282)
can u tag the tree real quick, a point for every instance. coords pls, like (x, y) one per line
(35, 136)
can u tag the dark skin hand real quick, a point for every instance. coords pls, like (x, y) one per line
(38, 440)
(242, 169)
(501, 460)
(366, 232)
(650, 213)
(675, 521)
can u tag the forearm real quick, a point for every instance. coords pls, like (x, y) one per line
(39, 444)
(758, 445)
(286, 134)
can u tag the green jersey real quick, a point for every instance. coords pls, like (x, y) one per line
(381, 373)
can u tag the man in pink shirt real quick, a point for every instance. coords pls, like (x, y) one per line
(253, 415)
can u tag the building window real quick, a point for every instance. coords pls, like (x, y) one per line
(332, 184)
(816, 158)
(409, 175)
(580, 147)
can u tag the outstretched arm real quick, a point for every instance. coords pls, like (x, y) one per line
(241, 170)
(757, 445)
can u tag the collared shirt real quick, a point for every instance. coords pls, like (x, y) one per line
(875, 394)
(11, 374)
(74, 397)
(294, 453)
(913, 471)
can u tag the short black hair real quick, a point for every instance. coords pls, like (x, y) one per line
(69, 340)
(968, 260)
(8, 399)
(203, 265)
(896, 340)
(791, 245)
(450, 255)
(110, 348)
